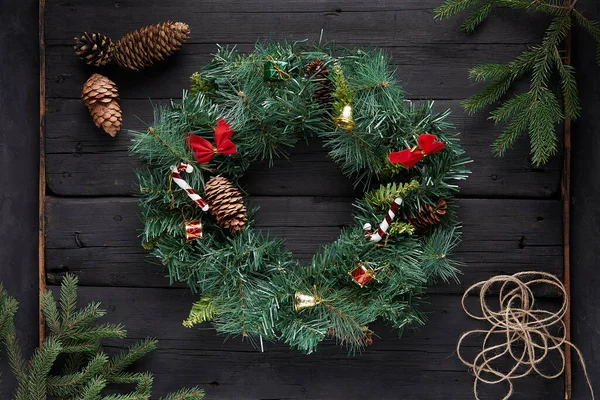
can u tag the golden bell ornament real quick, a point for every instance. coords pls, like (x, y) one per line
(302, 301)
(345, 119)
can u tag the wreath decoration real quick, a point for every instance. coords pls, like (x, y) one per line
(243, 109)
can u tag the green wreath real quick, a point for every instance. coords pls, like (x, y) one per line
(248, 108)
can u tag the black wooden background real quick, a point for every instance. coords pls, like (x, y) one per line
(511, 211)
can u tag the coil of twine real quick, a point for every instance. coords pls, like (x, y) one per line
(520, 331)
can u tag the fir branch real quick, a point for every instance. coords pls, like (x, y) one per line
(540, 62)
(87, 370)
(186, 394)
(202, 311)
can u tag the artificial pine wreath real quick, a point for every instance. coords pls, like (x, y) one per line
(249, 108)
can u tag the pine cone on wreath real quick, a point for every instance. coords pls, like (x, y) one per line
(101, 96)
(94, 48)
(320, 74)
(142, 48)
(226, 204)
(429, 215)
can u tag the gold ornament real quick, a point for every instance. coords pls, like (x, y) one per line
(345, 119)
(302, 301)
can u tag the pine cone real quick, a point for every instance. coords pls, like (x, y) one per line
(101, 96)
(429, 215)
(94, 48)
(142, 48)
(226, 204)
(317, 71)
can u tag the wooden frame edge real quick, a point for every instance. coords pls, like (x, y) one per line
(565, 190)
(42, 177)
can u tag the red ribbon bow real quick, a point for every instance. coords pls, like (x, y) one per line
(428, 144)
(204, 150)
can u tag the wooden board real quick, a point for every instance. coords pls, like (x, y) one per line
(421, 365)
(19, 161)
(98, 238)
(510, 211)
(84, 161)
(585, 222)
(427, 71)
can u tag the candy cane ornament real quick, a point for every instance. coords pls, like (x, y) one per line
(385, 224)
(176, 176)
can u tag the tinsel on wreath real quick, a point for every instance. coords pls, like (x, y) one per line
(248, 284)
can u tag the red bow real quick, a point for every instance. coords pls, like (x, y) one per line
(428, 144)
(204, 150)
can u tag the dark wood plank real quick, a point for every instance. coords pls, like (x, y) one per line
(585, 222)
(83, 161)
(246, 21)
(19, 171)
(98, 238)
(427, 70)
(421, 365)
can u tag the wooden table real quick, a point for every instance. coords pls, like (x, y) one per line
(511, 211)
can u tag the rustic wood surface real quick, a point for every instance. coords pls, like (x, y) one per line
(585, 222)
(510, 211)
(19, 153)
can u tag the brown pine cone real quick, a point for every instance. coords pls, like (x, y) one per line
(429, 215)
(94, 48)
(226, 204)
(319, 73)
(142, 48)
(101, 96)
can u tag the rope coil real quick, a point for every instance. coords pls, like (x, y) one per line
(519, 331)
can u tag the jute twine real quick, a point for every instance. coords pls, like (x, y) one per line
(520, 332)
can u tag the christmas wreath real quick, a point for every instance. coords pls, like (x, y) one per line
(243, 109)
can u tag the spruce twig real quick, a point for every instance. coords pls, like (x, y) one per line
(73, 336)
(538, 111)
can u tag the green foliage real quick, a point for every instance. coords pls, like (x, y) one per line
(538, 111)
(248, 281)
(74, 341)
(202, 311)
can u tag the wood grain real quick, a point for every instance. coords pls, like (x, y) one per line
(19, 171)
(364, 23)
(98, 238)
(420, 365)
(83, 161)
(426, 71)
(510, 211)
(585, 222)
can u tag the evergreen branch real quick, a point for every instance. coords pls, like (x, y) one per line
(71, 384)
(202, 311)
(592, 27)
(92, 389)
(568, 85)
(86, 371)
(39, 366)
(186, 394)
(452, 7)
(477, 17)
(68, 298)
(50, 310)
(541, 62)
(127, 357)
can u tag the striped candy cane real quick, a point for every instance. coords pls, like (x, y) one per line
(385, 224)
(176, 175)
